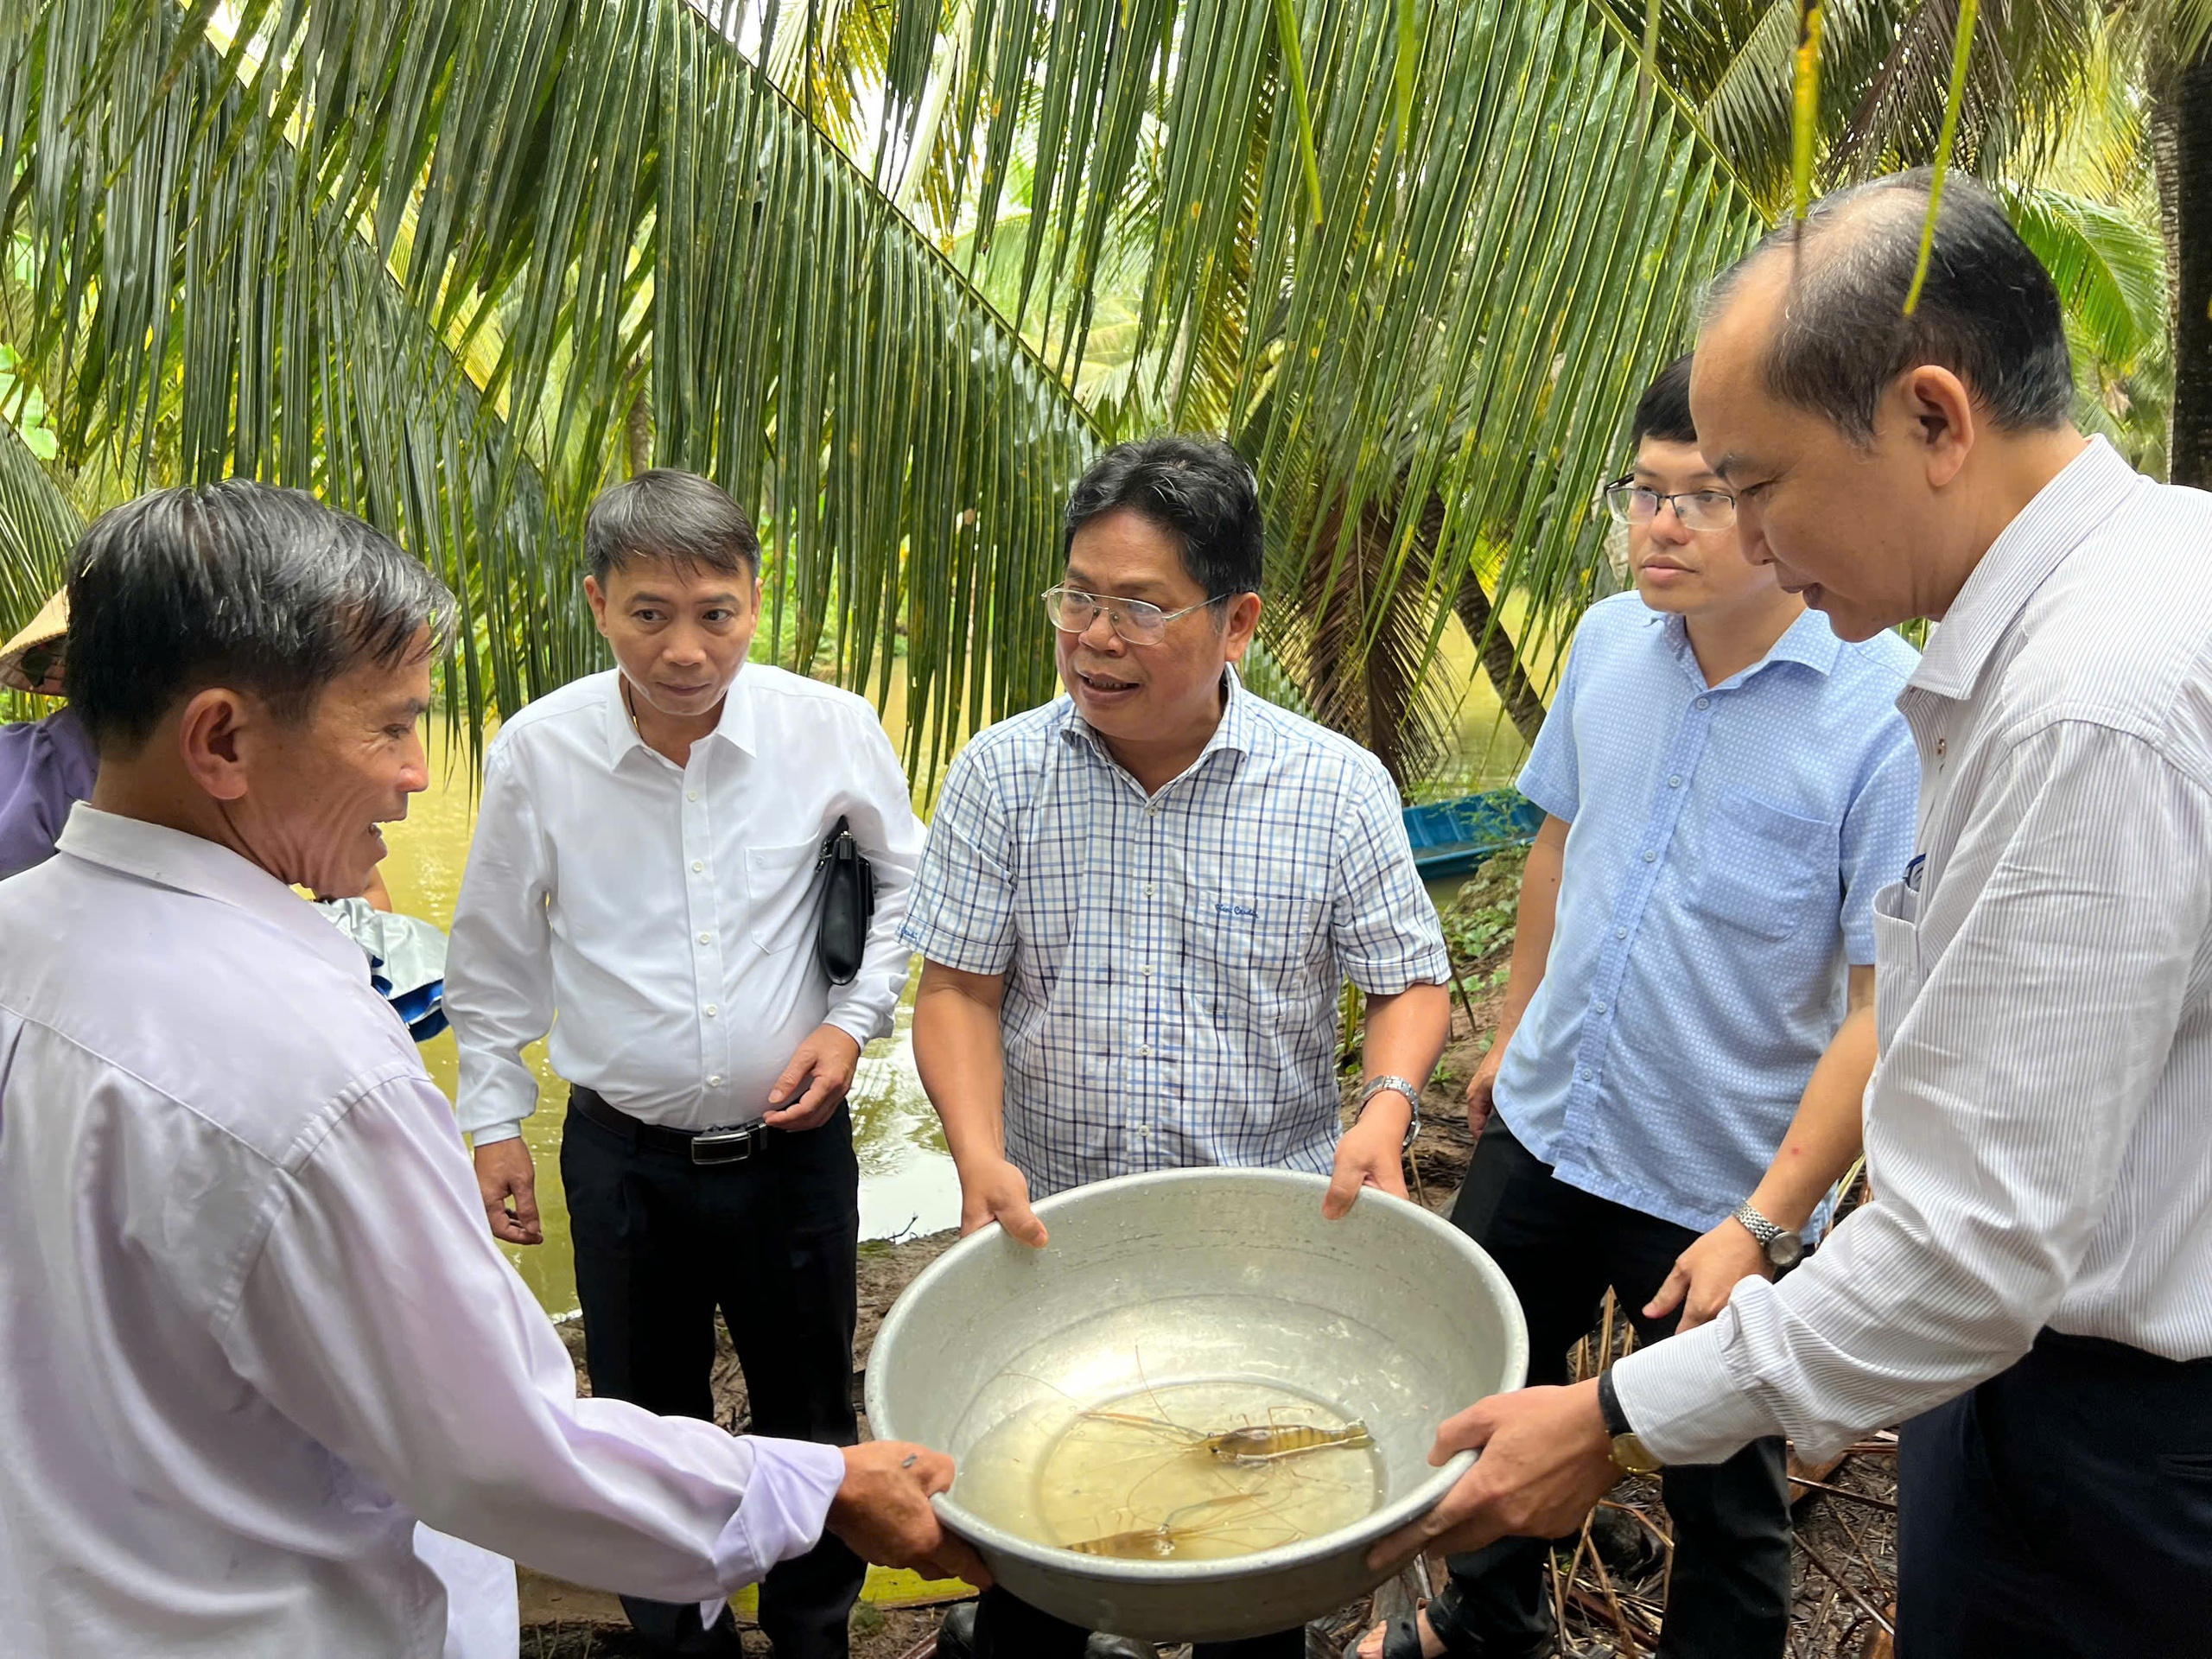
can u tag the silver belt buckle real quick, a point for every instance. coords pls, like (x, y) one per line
(725, 1144)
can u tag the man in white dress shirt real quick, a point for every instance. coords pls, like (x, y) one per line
(2032, 1284)
(644, 882)
(254, 1327)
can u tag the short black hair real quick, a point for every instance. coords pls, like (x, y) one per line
(1989, 311)
(239, 584)
(679, 517)
(1198, 489)
(1664, 411)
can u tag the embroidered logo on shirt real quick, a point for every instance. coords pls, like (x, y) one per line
(1242, 912)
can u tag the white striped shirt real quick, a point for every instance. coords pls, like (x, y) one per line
(2039, 1127)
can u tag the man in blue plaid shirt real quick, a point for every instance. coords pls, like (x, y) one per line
(1138, 903)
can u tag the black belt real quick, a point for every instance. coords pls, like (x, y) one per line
(725, 1143)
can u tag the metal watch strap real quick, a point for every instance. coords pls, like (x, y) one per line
(1395, 1085)
(1756, 1224)
(1783, 1247)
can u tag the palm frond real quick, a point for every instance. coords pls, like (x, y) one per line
(37, 529)
(1499, 261)
(591, 231)
(2109, 267)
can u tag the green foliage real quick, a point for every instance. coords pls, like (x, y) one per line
(453, 263)
(1480, 920)
(38, 526)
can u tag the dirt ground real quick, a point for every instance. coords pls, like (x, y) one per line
(1608, 1583)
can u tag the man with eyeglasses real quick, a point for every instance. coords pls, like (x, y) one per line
(1726, 785)
(1138, 905)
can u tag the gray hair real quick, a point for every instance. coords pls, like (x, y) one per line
(237, 584)
(1988, 310)
(676, 516)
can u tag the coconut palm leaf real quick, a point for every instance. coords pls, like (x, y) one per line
(193, 312)
(2108, 265)
(1509, 241)
(37, 529)
(627, 237)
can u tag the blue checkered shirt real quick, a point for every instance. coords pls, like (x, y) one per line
(1173, 963)
(1725, 846)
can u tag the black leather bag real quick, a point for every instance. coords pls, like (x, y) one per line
(848, 906)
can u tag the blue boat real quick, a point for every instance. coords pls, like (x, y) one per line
(1451, 838)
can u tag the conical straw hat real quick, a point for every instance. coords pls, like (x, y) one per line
(32, 660)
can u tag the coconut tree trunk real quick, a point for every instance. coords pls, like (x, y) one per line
(1500, 661)
(2181, 133)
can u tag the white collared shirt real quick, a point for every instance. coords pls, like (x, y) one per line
(2039, 1127)
(253, 1322)
(661, 919)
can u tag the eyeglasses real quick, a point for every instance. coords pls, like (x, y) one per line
(1633, 504)
(1138, 621)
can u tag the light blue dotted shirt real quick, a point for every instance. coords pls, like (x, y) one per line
(1172, 962)
(1725, 849)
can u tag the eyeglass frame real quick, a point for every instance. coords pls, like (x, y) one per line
(1627, 480)
(1099, 609)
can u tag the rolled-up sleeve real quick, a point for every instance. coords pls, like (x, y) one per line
(1381, 918)
(962, 912)
(2073, 916)
(380, 1317)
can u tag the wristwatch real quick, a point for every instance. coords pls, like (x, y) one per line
(1783, 1246)
(1395, 1085)
(1631, 1455)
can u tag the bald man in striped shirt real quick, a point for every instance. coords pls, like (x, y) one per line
(2031, 1286)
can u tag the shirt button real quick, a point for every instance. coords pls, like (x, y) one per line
(1595, 1007)
(1147, 889)
(1705, 702)
(1649, 857)
(714, 1081)
(713, 1009)
(698, 864)
(1676, 782)
(1146, 1052)
(693, 794)
(1585, 1074)
(706, 938)
(1145, 970)
(1620, 932)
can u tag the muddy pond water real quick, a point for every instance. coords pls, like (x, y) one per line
(906, 1178)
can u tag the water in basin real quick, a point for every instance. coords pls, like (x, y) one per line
(1196, 1469)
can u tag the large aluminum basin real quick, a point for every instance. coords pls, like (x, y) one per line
(1390, 1317)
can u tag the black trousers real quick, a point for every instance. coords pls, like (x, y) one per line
(2062, 1509)
(661, 1243)
(1728, 1590)
(1009, 1628)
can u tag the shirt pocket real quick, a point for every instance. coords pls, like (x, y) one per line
(1765, 868)
(1248, 948)
(779, 894)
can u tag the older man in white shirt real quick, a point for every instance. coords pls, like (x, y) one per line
(645, 880)
(255, 1327)
(2031, 1286)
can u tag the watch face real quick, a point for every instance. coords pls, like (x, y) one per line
(1632, 1457)
(1785, 1250)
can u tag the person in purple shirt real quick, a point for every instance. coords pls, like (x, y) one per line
(45, 766)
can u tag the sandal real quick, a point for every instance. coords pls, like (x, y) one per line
(1400, 1636)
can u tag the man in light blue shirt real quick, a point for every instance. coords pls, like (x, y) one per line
(1687, 1030)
